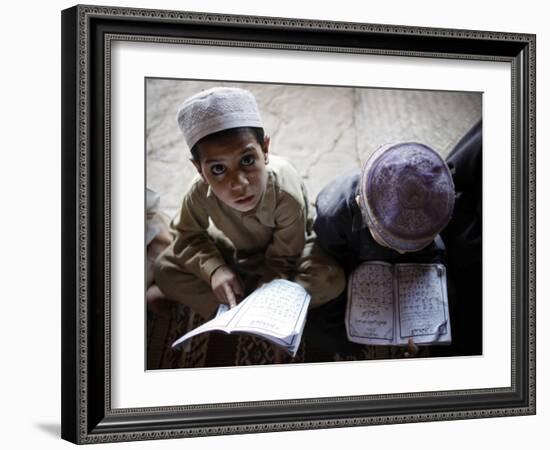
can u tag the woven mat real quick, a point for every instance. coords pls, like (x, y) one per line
(219, 349)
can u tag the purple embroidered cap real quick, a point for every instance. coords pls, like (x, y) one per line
(406, 195)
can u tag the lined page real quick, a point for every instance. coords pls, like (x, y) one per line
(277, 309)
(370, 309)
(423, 305)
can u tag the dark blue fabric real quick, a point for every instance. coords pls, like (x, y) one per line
(463, 240)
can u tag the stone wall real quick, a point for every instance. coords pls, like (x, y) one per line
(326, 131)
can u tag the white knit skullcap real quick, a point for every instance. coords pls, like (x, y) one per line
(217, 109)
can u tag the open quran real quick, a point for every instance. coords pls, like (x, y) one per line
(276, 311)
(388, 304)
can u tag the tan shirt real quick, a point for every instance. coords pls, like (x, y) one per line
(268, 239)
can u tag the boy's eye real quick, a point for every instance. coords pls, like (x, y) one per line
(248, 160)
(217, 169)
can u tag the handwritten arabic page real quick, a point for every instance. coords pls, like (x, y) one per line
(276, 311)
(423, 304)
(370, 308)
(388, 304)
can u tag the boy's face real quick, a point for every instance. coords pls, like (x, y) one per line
(235, 168)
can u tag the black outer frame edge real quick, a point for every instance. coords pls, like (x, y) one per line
(69, 211)
(530, 272)
(521, 204)
(98, 421)
(274, 34)
(97, 232)
(254, 415)
(524, 111)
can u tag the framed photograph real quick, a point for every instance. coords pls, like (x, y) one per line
(330, 94)
(336, 151)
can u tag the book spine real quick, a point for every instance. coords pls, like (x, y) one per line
(396, 312)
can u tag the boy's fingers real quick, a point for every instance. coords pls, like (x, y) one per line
(412, 348)
(237, 287)
(229, 295)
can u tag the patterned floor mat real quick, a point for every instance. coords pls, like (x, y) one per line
(220, 349)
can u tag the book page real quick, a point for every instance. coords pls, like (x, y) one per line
(423, 306)
(219, 323)
(276, 309)
(370, 309)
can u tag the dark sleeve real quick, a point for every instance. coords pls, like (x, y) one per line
(463, 240)
(465, 163)
(462, 236)
(333, 230)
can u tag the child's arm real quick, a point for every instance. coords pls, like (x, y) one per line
(193, 250)
(288, 239)
(332, 232)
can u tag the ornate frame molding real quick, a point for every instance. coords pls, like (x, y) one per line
(88, 31)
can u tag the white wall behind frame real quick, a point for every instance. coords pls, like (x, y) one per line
(30, 180)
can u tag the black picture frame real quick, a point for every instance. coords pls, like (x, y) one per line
(87, 33)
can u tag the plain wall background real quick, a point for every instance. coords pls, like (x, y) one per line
(324, 131)
(30, 176)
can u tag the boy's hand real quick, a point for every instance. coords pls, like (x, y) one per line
(412, 349)
(227, 286)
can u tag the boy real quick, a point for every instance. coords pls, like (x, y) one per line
(244, 221)
(392, 210)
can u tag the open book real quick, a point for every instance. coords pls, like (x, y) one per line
(276, 311)
(388, 304)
